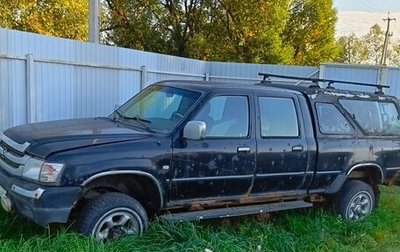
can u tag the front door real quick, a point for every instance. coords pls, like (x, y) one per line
(222, 164)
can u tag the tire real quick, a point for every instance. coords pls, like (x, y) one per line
(112, 215)
(355, 201)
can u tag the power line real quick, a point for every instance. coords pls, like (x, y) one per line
(368, 6)
(373, 5)
(365, 6)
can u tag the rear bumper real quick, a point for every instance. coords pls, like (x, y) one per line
(40, 204)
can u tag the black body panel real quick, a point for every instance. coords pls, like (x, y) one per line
(49, 137)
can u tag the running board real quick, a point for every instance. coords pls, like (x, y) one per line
(236, 211)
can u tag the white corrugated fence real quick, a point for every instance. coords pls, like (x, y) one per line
(46, 78)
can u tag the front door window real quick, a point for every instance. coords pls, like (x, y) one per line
(226, 116)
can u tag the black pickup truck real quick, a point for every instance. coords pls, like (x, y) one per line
(187, 150)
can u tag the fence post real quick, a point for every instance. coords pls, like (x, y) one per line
(207, 77)
(30, 90)
(143, 77)
(382, 75)
(322, 71)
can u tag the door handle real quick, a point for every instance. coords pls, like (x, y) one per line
(243, 149)
(297, 148)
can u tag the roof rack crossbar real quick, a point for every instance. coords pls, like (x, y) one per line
(329, 81)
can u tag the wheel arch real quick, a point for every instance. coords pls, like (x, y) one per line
(371, 173)
(368, 168)
(142, 185)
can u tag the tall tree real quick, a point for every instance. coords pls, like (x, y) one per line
(374, 40)
(353, 50)
(247, 31)
(394, 55)
(61, 18)
(258, 31)
(227, 30)
(311, 32)
(368, 49)
(166, 26)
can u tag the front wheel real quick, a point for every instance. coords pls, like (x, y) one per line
(112, 215)
(355, 201)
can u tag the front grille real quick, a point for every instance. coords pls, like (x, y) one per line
(11, 149)
(12, 155)
(9, 162)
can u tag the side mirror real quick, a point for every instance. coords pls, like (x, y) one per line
(194, 130)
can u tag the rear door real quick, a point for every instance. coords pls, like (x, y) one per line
(282, 149)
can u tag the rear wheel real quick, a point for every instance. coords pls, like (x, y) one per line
(112, 215)
(355, 201)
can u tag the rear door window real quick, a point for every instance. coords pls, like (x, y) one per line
(331, 120)
(278, 117)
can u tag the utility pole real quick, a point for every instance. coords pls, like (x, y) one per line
(94, 21)
(387, 35)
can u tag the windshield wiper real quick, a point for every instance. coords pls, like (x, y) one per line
(138, 119)
(143, 122)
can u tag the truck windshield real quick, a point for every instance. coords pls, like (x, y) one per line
(157, 108)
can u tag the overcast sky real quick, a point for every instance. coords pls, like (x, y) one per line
(357, 16)
(368, 5)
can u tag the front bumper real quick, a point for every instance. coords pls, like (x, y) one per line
(40, 204)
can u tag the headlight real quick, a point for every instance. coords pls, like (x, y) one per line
(42, 171)
(32, 168)
(50, 172)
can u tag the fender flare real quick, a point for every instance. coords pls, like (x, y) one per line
(129, 172)
(339, 181)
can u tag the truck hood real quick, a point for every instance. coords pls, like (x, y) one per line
(49, 137)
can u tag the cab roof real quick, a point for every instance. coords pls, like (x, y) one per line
(310, 90)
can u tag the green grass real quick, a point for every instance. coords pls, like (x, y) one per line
(304, 230)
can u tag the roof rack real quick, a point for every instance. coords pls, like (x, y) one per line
(329, 81)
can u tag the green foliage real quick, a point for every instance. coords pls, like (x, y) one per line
(256, 31)
(60, 18)
(374, 41)
(394, 55)
(302, 230)
(130, 24)
(247, 31)
(368, 49)
(354, 50)
(311, 32)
